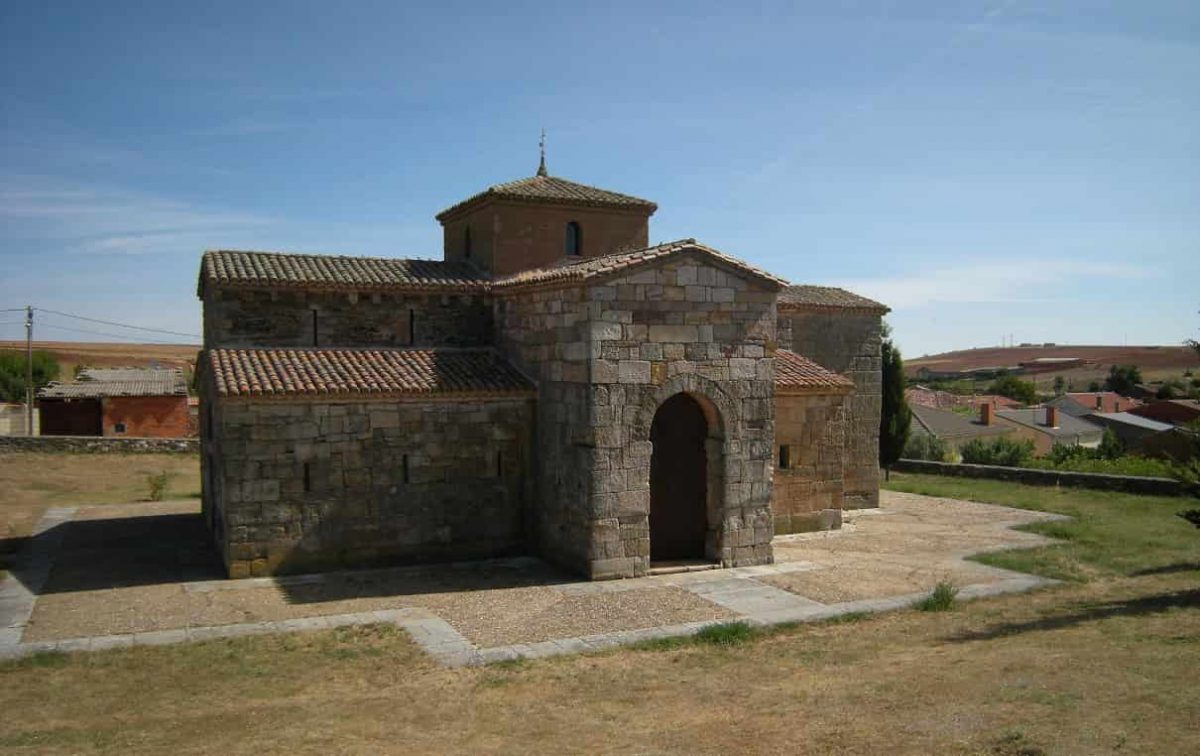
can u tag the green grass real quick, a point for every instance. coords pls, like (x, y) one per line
(725, 635)
(940, 599)
(1110, 534)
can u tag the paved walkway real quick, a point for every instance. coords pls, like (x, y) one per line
(100, 578)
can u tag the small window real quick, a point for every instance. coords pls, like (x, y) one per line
(499, 463)
(785, 458)
(316, 335)
(119, 428)
(307, 478)
(404, 468)
(574, 240)
(412, 327)
(467, 243)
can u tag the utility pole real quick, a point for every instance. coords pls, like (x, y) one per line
(29, 370)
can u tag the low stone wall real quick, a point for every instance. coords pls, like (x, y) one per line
(1126, 483)
(99, 445)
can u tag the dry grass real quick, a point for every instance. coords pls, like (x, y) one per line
(32, 482)
(1085, 669)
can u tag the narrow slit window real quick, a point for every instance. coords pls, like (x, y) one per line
(307, 478)
(499, 463)
(404, 468)
(467, 243)
(785, 458)
(412, 327)
(316, 334)
(574, 240)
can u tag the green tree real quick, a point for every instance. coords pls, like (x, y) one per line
(1122, 378)
(1060, 385)
(896, 417)
(12, 374)
(1014, 388)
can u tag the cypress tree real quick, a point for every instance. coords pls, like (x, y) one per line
(895, 419)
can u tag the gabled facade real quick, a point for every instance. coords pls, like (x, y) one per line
(553, 386)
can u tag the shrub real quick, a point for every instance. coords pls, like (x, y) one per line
(1014, 388)
(1000, 451)
(941, 599)
(12, 373)
(922, 446)
(157, 483)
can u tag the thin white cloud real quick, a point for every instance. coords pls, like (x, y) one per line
(99, 219)
(983, 282)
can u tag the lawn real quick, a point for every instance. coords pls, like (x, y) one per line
(1104, 663)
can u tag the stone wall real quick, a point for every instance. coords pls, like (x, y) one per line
(608, 356)
(846, 341)
(1127, 483)
(292, 486)
(808, 491)
(295, 318)
(98, 445)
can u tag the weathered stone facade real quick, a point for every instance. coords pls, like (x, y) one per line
(846, 341)
(348, 421)
(307, 485)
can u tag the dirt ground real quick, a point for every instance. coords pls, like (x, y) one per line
(144, 567)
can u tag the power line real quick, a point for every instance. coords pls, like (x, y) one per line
(119, 325)
(99, 333)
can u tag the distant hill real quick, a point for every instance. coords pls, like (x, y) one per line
(1155, 362)
(73, 353)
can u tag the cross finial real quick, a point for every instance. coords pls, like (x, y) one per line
(541, 171)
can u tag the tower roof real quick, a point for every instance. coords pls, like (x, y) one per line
(550, 190)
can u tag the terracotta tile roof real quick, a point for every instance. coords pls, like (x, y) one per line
(94, 383)
(354, 372)
(794, 373)
(276, 269)
(590, 268)
(1109, 401)
(822, 297)
(551, 190)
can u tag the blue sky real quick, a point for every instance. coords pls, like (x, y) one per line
(986, 168)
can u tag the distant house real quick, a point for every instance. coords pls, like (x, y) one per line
(1047, 428)
(1131, 429)
(1174, 411)
(951, 427)
(1084, 403)
(938, 399)
(135, 402)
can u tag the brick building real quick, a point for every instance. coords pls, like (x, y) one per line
(554, 386)
(134, 402)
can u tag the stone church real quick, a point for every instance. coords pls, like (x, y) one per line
(554, 386)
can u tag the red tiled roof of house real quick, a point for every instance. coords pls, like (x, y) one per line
(590, 268)
(803, 296)
(551, 190)
(236, 268)
(794, 373)
(323, 372)
(1110, 401)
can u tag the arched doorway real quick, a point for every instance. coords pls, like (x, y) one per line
(678, 481)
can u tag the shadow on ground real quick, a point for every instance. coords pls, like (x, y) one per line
(117, 553)
(159, 549)
(1144, 605)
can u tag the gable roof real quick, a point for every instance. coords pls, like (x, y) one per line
(1128, 418)
(796, 374)
(1068, 426)
(942, 423)
(588, 269)
(553, 191)
(282, 373)
(1110, 401)
(247, 269)
(804, 296)
(96, 383)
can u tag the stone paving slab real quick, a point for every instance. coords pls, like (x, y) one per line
(908, 541)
